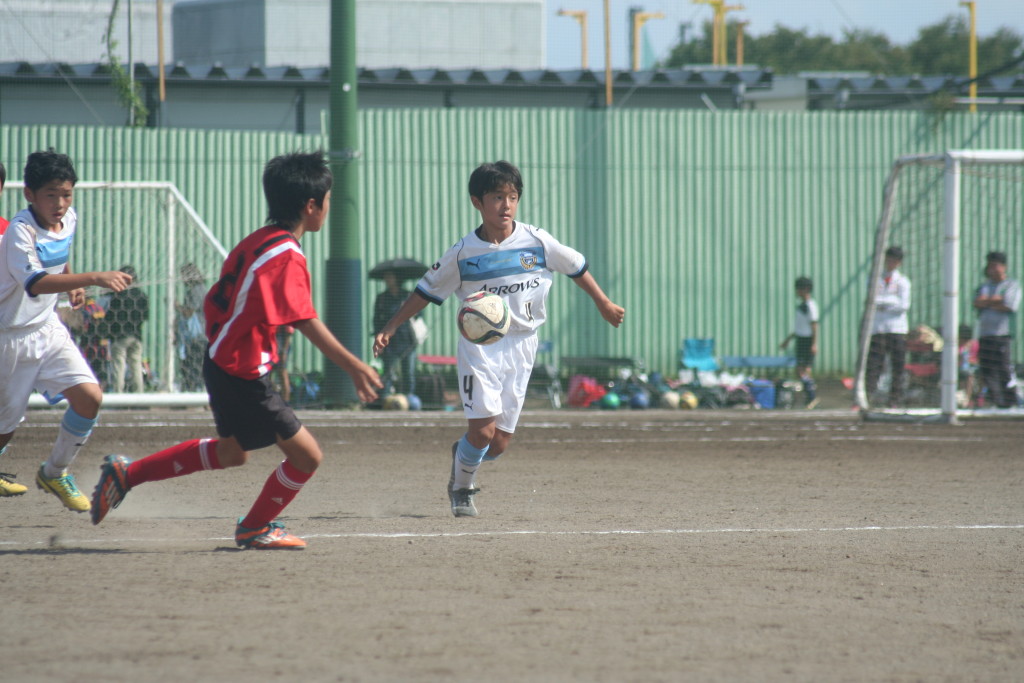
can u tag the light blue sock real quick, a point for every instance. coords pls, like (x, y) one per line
(74, 432)
(469, 457)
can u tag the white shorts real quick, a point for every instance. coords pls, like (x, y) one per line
(44, 359)
(492, 379)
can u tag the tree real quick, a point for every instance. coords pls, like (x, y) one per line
(939, 49)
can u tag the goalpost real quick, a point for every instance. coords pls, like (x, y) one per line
(946, 211)
(151, 227)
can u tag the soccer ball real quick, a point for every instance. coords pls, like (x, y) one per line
(688, 400)
(484, 318)
(669, 399)
(395, 402)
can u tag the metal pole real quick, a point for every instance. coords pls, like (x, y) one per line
(950, 288)
(607, 56)
(131, 69)
(972, 70)
(344, 295)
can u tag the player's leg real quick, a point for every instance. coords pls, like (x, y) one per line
(876, 360)
(897, 362)
(64, 372)
(134, 363)
(1005, 374)
(251, 415)
(118, 355)
(19, 366)
(119, 474)
(523, 354)
(257, 529)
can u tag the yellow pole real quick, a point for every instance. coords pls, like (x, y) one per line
(639, 19)
(972, 69)
(716, 33)
(580, 16)
(723, 27)
(607, 56)
(160, 50)
(739, 41)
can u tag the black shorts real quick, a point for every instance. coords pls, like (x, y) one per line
(804, 355)
(250, 410)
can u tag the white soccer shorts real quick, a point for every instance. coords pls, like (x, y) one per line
(493, 378)
(44, 359)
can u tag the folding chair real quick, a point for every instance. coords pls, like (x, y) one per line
(698, 354)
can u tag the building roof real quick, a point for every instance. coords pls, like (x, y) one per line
(696, 78)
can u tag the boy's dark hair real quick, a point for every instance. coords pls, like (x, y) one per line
(291, 180)
(895, 252)
(804, 283)
(492, 176)
(3, 175)
(996, 257)
(45, 167)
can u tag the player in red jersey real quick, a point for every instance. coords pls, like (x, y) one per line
(264, 283)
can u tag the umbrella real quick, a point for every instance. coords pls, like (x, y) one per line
(404, 268)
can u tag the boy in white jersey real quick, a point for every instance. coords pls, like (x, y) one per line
(517, 262)
(36, 351)
(805, 332)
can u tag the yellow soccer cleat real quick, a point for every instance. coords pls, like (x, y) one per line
(9, 487)
(64, 488)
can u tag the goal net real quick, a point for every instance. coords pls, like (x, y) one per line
(152, 229)
(946, 212)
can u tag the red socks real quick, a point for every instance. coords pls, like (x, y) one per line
(176, 461)
(281, 487)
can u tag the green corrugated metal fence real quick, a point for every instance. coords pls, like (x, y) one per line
(697, 222)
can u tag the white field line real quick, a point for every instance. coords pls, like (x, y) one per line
(58, 540)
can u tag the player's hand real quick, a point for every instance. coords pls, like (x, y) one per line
(77, 298)
(114, 280)
(613, 313)
(366, 381)
(380, 342)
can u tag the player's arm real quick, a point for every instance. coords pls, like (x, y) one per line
(413, 304)
(609, 310)
(789, 338)
(46, 283)
(363, 376)
(814, 337)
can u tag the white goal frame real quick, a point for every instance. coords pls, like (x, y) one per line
(953, 162)
(173, 200)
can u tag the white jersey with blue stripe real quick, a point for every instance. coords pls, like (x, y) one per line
(520, 270)
(27, 253)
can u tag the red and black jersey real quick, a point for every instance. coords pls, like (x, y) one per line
(264, 283)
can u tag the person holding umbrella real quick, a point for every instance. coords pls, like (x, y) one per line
(399, 358)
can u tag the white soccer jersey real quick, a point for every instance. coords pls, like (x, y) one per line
(27, 253)
(806, 314)
(520, 270)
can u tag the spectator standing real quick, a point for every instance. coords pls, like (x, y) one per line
(889, 332)
(399, 356)
(997, 301)
(126, 313)
(191, 329)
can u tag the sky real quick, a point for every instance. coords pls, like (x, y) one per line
(897, 19)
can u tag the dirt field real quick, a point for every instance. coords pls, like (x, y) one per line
(611, 546)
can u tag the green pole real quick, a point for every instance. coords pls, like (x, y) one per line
(344, 295)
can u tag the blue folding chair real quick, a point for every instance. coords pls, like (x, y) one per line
(698, 354)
